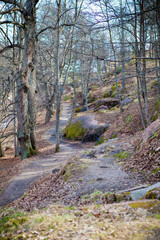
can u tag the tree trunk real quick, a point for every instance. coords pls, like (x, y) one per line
(1, 150)
(158, 27)
(57, 147)
(25, 130)
(137, 67)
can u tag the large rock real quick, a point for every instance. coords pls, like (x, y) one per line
(151, 130)
(85, 128)
(94, 134)
(108, 102)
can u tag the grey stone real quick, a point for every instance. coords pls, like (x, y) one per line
(55, 170)
(126, 101)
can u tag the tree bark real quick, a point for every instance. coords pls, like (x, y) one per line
(26, 134)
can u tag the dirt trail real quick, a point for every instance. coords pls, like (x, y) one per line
(97, 170)
(41, 165)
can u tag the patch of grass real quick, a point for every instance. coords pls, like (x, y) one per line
(155, 135)
(114, 135)
(66, 98)
(122, 155)
(101, 140)
(11, 220)
(84, 196)
(128, 118)
(157, 170)
(96, 195)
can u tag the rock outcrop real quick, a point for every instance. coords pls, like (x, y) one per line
(151, 130)
(85, 128)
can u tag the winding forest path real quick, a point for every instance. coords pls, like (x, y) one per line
(42, 165)
(101, 171)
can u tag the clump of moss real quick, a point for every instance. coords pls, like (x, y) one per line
(75, 131)
(78, 109)
(31, 152)
(114, 135)
(66, 98)
(150, 205)
(91, 98)
(114, 88)
(100, 141)
(11, 220)
(153, 194)
(122, 155)
(155, 83)
(107, 94)
(128, 118)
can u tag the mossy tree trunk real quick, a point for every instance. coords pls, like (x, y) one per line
(26, 135)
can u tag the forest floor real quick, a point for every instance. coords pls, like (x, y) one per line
(72, 173)
(67, 195)
(75, 215)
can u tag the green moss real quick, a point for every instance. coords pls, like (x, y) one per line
(145, 205)
(102, 140)
(128, 118)
(66, 98)
(157, 216)
(75, 130)
(84, 196)
(157, 170)
(31, 152)
(77, 110)
(11, 220)
(106, 94)
(91, 98)
(155, 135)
(122, 155)
(66, 176)
(155, 83)
(154, 117)
(114, 135)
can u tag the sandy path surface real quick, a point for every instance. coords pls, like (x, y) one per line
(43, 165)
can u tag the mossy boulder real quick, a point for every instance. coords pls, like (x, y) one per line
(94, 134)
(85, 128)
(75, 130)
(153, 194)
(116, 197)
(108, 102)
